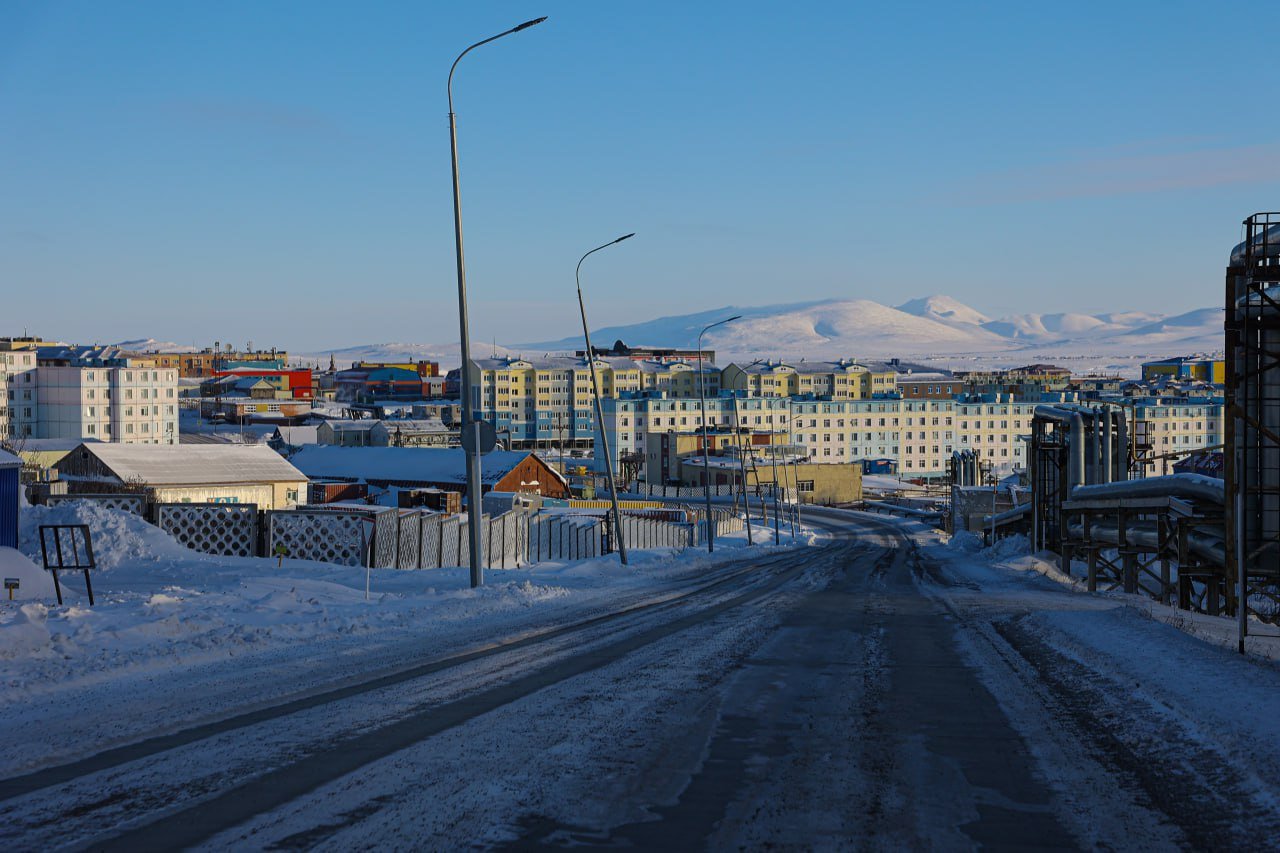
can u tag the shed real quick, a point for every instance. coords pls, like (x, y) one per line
(10, 471)
(187, 473)
(428, 467)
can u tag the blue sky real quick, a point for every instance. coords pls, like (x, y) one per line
(279, 172)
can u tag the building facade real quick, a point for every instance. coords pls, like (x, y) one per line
(100, 393)
(19, 394)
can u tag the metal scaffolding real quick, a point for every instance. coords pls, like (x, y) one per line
(1252, 458)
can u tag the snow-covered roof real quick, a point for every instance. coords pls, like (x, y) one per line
(8, 460)
(195, 464)
(298, 435)
(406, 464)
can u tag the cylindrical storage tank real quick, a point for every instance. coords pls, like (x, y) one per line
(10, 468)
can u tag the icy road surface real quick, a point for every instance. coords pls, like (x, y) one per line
(876, 692)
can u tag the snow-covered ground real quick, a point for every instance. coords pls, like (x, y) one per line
(191, 633)
(1012, 556)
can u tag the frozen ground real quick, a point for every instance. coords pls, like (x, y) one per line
(882, 690)
(185, 635)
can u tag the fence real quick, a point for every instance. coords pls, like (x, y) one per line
(136, 504)
(563, 537)
(405, 539)
(230, 530)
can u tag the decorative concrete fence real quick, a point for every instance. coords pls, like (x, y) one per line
(134, 503)
(563, 537)
(229, 530)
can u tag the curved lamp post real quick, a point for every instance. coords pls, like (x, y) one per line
(706, 448)
(464, 335)
(595, 392)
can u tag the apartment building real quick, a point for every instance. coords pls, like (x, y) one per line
(995, 427)
(19, 393)
(1166, 430)
(547, 402)
(100, 393)
(635, 423)
(845, 379)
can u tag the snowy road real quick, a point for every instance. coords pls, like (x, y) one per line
(877, 692)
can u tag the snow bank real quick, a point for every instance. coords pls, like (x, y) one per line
(118, 538)
(161, 608)
(33, 581)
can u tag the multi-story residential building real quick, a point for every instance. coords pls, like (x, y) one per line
(210, 360)
(635, 423)
(101, 393)
(928, 386)
(19, 393)
(1165, 430)
(621, 350)
(994, 426)
(1192, 368)
(845, 379)
(547, 402)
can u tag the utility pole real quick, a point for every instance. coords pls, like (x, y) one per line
(706, 447)
(595, 389)
(464, 331)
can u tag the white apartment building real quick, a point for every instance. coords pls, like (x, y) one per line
(1166, 430)
(97, 393)
(632, 422)
(19, 394)
(995, 428)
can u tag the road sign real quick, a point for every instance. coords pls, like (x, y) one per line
(488, 436)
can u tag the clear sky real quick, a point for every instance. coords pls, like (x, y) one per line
(279, 171)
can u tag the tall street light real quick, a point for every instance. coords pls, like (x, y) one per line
(469, 423)
(595, 392)
(706, 448)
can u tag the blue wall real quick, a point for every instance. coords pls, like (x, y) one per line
(9, 506)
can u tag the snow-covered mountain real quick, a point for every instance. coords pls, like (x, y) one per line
(944, 309)
(930, 325)
(446, 353)
(152, 345)
(938, 327)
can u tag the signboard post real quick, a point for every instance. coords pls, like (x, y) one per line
(72, 550)
(11, 584)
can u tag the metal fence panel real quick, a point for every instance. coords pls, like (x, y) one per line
(229, 530)
(429, 549)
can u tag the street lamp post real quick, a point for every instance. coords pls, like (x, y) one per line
(464, 334)
(706, 448)
(595, 392)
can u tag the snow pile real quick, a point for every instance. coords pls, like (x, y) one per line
(33, 581)
(118, 538)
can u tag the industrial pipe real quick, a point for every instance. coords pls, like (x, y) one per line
(1195, 486)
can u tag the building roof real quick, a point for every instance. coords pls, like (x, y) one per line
(415, 425)
(406, 464)
(8, 460)
(296, 436)
(195, 464)
(347, 425)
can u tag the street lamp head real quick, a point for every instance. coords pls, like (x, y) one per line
(528, 24)
(731, 319)
(625, 237)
